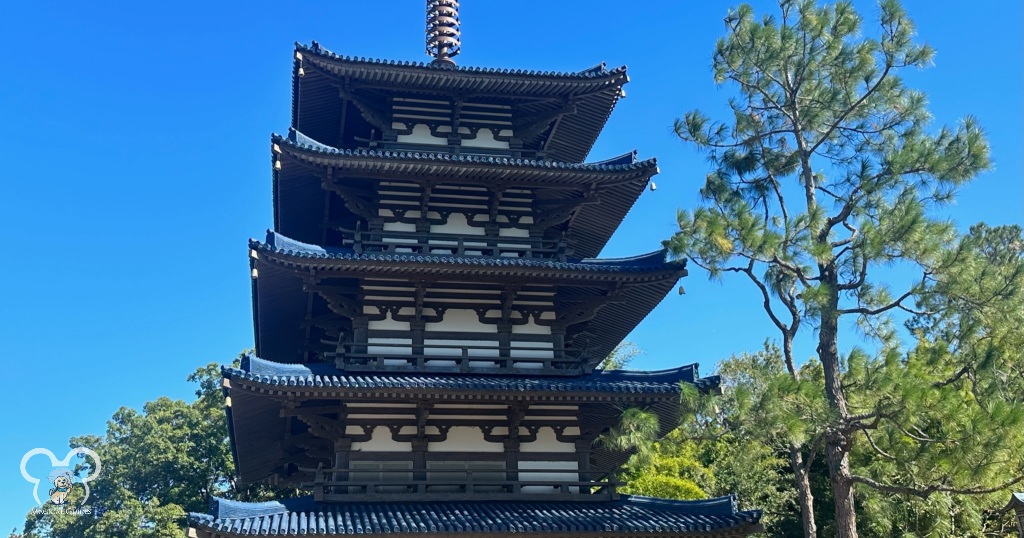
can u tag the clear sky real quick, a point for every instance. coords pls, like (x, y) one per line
(137, 164)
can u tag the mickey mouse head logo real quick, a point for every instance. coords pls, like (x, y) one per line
(62, 481)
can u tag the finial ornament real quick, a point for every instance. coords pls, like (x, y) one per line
(443, 35)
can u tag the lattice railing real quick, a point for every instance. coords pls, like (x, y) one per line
(341, 485)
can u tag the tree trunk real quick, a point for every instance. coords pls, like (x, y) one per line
(803, 491)
(838, 453)
(837, 444)
(804, 496)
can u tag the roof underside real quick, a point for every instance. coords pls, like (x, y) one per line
(589, 96)
(281, 303)
(610, 187)
(628, 516)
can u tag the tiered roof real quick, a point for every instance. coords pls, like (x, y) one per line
(320, 379)
(278, 291)
(590, 95)
(258, 388)
(630, 516)
(616, 183)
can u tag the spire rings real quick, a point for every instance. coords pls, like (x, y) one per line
(443, 33)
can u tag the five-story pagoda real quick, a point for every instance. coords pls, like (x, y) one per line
(429, 310)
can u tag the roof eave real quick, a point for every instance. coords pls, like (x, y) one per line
(298, 260)
(313, 152)
(592, 75)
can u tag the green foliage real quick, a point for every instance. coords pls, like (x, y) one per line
(758, 475)
(747, 434)
(158, 464)
(953, 419)
(671, 471)
(762, 401)
(733, 443)
(826, 160)
(621, 356)
(637, 430)
(825, 176)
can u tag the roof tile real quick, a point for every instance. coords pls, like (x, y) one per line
(626, 161)
(650, 262)
(630, 514)
(602, 381)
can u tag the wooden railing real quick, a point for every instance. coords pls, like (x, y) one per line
(336, 485)
(449, 148)
(455, 245)
(465, 358)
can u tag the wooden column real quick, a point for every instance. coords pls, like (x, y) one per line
(360, 334)
(583, 447)
(536, 238)
(417, 327)
(558, 342)
(505, 343)
(419, 463)
(423, 224)
(375, 229)
(342, 460)
(512, 446)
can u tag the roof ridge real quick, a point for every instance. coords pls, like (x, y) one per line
(298, 140)
(277, 243)
(628, 515)
(597, 71)
(250, 363)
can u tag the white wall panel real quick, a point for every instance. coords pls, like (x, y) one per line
(421, 135)
(381, 440)
(465, 439)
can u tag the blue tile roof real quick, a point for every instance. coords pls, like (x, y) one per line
(611, 381)
(597, 71)
(624, 162)
(1016, 501)
(653, 262)
(628, 515)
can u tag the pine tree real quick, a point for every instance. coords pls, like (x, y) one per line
(826, 171)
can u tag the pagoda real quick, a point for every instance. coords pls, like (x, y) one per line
(430, 311)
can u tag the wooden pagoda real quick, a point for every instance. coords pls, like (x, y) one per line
(429, 311)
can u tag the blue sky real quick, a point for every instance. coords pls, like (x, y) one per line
(136, 166)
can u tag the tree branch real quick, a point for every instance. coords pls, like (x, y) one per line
(762, 92)
(875, 311)
(875, 446)
(925, 492)
(849, 110)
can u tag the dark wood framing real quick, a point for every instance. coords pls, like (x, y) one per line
(334, 420)
(431, 424)
(440, 485)
(454, 116)
(354, 346)
(367, 196)
(375, 203)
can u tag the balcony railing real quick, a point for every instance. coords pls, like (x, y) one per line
(346, 485)
(520, 153)
(455, 245)
(453, 357)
